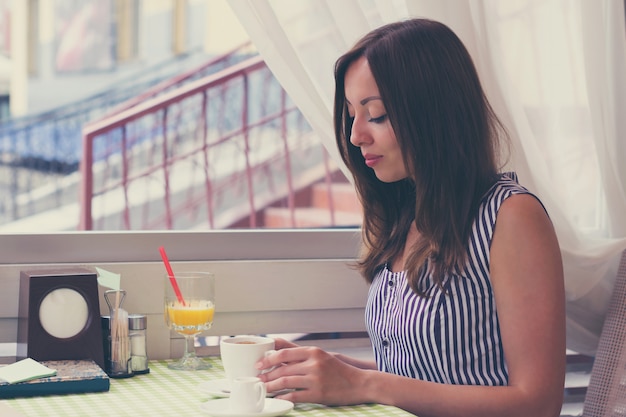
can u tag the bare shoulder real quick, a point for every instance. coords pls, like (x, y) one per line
(521, 207)
(524, 238)
(522, 217)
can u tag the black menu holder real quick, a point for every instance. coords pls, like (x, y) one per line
(59, 316)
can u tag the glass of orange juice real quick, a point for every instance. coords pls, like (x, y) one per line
(189, 310)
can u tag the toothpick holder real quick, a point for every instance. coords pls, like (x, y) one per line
(117, 347)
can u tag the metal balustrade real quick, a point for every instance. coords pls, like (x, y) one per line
(40, 153)
(211, 154)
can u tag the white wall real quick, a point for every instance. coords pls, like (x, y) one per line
(212, 28)
(268, 281)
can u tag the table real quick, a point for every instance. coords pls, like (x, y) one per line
(165, 393)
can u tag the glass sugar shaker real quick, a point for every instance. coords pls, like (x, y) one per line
(137, 324)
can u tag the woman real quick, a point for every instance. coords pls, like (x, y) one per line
(466, 303)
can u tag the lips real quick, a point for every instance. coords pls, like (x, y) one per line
(371, 160)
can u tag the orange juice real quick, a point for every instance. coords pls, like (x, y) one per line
(191, 318)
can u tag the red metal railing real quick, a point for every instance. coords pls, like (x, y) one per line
(222, 60)
(209, 154)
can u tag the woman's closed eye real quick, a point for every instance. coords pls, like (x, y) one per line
(379, 119)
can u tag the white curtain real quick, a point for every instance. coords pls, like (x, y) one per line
(554, 70)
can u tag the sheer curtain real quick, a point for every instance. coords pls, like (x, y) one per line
(555, 71)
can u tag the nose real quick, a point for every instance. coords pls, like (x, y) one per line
(359, 135)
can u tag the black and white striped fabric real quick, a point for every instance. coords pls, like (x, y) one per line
(451, 338)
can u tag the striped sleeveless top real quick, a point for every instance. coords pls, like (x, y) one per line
(451, 338)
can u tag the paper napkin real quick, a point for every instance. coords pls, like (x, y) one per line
(25, 370)
(108, 279)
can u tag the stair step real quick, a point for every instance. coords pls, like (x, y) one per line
(577, 376)
(344, 197)
(277, 217)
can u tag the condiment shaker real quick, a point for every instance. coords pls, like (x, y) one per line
(137, 324)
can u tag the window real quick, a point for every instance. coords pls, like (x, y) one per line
(126, 21)
(83, 36)
(179, 27)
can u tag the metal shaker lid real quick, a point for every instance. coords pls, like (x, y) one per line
(137, 321)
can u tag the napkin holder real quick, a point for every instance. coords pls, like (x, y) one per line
(50, 302)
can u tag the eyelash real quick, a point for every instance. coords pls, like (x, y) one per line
(379, 119)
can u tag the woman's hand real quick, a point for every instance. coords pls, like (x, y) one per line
(315, 376)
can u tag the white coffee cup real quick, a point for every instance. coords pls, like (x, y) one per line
(247, 395)
(241, 353)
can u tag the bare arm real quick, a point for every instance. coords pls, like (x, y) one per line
(527, 276)
(358, 363)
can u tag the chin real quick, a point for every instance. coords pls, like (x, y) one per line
(390, 178)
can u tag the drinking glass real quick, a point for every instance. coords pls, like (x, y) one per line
(190, 312)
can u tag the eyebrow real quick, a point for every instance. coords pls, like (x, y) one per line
(366, 100)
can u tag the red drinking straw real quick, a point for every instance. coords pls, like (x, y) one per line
(170, 273)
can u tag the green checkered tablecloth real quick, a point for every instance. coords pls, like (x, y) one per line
(164, 392)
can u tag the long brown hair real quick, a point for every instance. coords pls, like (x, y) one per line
(449, 137)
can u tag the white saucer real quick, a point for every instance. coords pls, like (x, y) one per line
(220, 388)
(221, 408)
(216, 388)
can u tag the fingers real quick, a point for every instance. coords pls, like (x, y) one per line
(290, 382)
(288, 363)
(282, 344)
(274, 371)
(302, 389)
(285, 355)
(279, 344)
(296, 389)
(308, 374)
(297, 396)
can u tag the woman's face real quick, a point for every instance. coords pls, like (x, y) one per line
(371, 130)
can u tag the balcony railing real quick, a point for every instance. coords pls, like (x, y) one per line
(40, 153)
(210, 154)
